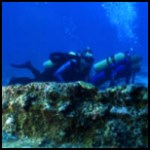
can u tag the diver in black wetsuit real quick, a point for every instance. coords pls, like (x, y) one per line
(56, 60)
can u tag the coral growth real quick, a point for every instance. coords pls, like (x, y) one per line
(76, 115)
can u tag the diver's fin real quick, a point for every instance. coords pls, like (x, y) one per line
(25, 65)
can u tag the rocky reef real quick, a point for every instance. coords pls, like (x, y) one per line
(75, 115)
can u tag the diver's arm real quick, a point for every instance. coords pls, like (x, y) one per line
(61, 70)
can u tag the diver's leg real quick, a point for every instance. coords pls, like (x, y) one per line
(112, 79)
(34, 71)
(20, 80)
(29, 66)
(112, 74)
(99, 78)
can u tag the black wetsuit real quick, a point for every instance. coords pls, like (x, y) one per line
(58, 58)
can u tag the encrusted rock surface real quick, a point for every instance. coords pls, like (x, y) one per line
(76, 115)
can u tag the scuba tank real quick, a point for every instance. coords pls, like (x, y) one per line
(48, 64)
(55, 58)
(59, 58)
(104, 64)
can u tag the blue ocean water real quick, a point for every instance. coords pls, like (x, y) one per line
(31, 30)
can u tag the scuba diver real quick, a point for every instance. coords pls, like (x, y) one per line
(121, 65)
(76, 69)
(56, 60)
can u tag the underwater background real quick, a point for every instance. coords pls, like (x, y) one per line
(31, 30)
